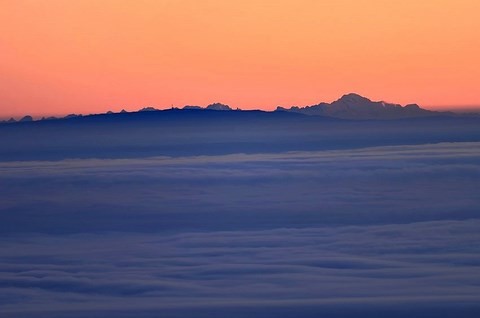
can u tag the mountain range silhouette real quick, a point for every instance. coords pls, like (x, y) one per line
(354, 106)
(350, 106)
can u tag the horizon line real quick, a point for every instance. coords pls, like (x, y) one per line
(465, 109)
(459, 109)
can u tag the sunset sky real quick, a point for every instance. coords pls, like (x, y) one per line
(90, 56)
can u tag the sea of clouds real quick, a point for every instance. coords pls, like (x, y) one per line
(382, 231)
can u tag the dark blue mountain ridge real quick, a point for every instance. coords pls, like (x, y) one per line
(355, 106)
(350, 106)
(192, 132)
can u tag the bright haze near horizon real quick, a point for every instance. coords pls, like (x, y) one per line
(59, 57)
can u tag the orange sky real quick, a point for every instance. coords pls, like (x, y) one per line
(90, 56)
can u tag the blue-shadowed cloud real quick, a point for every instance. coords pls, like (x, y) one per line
(382, 231)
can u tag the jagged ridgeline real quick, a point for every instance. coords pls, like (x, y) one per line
(354, 106)
(350, 106)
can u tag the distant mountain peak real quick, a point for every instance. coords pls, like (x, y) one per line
(148, 109)
(218, 106)
(26, 118)
(353, 97)
(355, 106)
(190, 107)
(72, 116)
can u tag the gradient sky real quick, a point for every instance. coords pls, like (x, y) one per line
(90, 56)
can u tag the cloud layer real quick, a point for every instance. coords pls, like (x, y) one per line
(384, 231)
(368, 186)
(321, 268)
